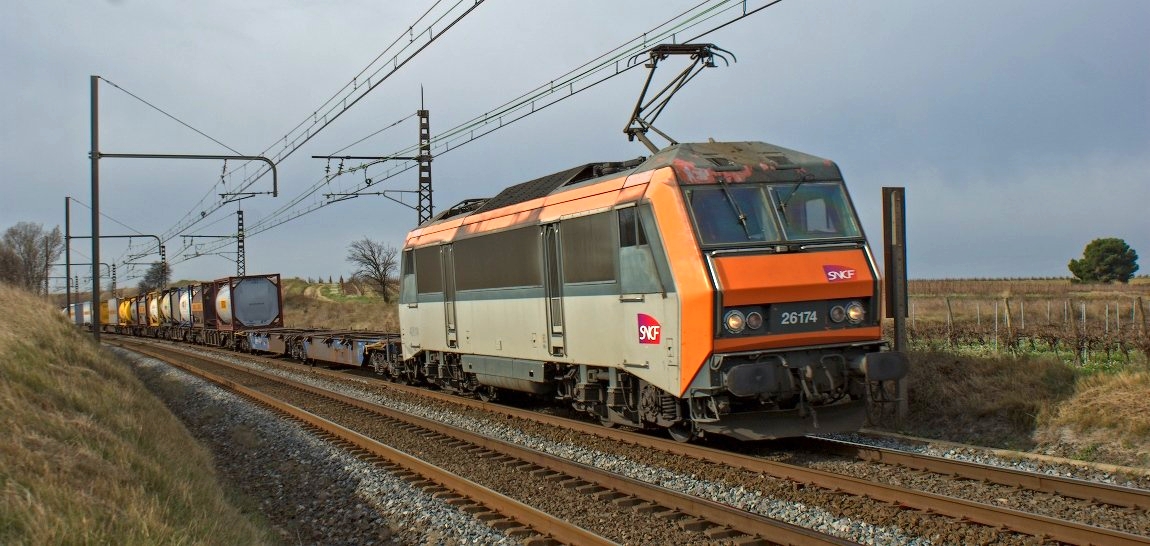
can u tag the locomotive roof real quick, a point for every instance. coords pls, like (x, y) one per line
(766, 162)
(721, 154)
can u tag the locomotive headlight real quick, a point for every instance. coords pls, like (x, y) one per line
(838, 313)
(754, 320)
(855, 312)
(734, 321)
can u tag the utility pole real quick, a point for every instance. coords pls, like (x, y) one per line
(95, 91)
(68, 251)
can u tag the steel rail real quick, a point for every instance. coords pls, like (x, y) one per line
(963, 510)
(540, 522)
(1068, 487)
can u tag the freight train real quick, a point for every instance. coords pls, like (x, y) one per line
(711, 288)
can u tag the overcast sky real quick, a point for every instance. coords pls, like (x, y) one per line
(1020, 128)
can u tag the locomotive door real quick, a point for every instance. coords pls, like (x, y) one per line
(553, 289)
(448, 261)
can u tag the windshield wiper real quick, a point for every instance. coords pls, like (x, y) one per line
(734, 205)
(783, 206)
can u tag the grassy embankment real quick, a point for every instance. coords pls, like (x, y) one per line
(89, 456)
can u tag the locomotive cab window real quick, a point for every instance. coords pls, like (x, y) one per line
(815, 210)
(407, 281)
(732, 214)
(638, 273)
(748, 213)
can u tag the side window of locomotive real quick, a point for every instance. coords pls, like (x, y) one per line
(407, 280)
(588, 248)
(637, 270)
(428, 271)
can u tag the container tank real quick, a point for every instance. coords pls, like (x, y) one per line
(153, 309)
(110, 312)
(125, 311)
(165, 307)
(181, 307)
(253, 301)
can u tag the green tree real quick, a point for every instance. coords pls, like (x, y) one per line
(1105, 260)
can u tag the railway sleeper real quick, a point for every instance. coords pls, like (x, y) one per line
(541, 540)
(520, 532)
(696, 525)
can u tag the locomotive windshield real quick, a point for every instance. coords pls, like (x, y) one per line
(746, 213)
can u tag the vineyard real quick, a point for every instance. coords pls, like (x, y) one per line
(1086, 324)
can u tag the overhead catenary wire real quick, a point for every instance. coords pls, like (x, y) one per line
(529, 101)
(603, 67)
(381, 68)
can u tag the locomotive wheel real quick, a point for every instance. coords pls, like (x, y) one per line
(487, 393)
(683, 431)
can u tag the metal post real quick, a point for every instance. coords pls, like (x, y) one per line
(894, 239)
(241, 266)
(95, 89)
(114, 280)
(68, 251)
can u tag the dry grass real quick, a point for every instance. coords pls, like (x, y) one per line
(993, 401)
(89, 455)
(1108, 417)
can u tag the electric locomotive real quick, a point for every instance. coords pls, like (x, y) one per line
(721, 288)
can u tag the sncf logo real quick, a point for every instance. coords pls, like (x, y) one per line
(838, 273)
(649, 329)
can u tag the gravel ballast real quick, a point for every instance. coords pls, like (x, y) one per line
(308, 491)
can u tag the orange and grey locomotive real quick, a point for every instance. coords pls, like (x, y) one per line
(719, 288)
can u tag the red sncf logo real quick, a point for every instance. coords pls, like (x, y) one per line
(649, 329)
(838, 273)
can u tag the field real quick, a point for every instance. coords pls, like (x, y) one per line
(1035, 364)
(1085, 324)
(346, 306)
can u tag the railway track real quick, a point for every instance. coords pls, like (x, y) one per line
(927, 503)
(699, 520)
(1095, 492)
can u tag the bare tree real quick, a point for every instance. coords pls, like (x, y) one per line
(158, 276)
(26, 253)
(375, 262)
